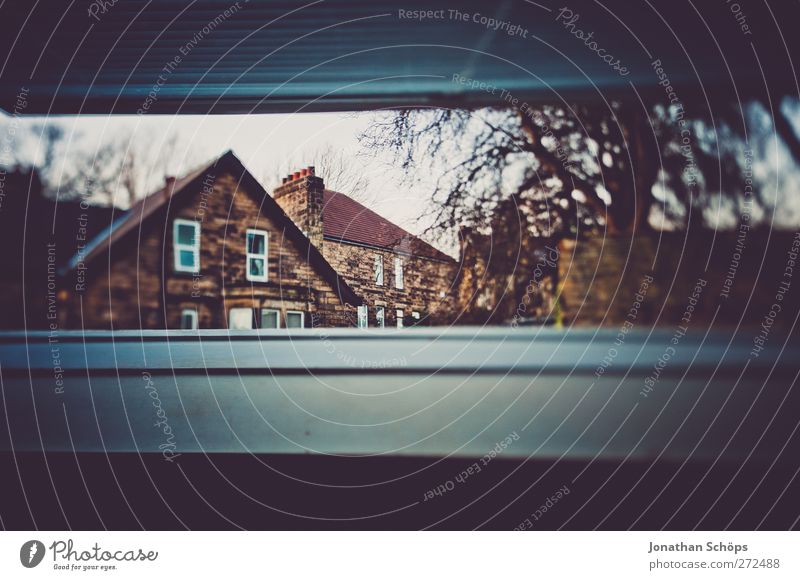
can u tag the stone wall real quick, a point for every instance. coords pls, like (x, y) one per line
(504, 281)
(427, 283)
(124, 288)
(301, 195)
(731, 278)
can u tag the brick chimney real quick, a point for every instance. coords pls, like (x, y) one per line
(301, 197)
(169, 186)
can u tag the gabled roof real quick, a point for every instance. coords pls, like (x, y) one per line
(346, 220)
(130, 221)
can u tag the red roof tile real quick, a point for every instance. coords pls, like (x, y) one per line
(344, 219)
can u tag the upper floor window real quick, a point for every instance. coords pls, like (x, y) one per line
(362, 316)
(186, 244)
(378, 270)
(398, 273)
(380, 316)
(295, 319)
(257, 255)
(188, 319)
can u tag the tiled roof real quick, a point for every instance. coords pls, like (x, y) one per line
(346, 220)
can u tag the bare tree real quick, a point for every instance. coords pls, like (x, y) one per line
(340, 169)
(119, 170)
(558, 169)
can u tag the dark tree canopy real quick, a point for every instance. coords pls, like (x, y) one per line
(571, 170)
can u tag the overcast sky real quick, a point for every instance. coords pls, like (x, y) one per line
(267, 143)
(264, 143)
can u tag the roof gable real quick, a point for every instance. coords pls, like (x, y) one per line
(184, 187)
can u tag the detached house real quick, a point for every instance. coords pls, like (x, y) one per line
(214, 250)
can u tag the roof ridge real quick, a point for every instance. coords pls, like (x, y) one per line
(352, 226)
(192, 172)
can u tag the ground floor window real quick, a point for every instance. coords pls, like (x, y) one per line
(295, 319)
(362, 317)
(240, 319)
(270, 318)
(380, 317)
(189, 319)
(399, 319)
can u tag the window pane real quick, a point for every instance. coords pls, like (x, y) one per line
(240, 319)
(187, 258)
(379, 315)
(269, 319)
(398, 273)
(378, 270)
(186, 234)
(362, 317)
(256, 267)
(294, 320)
(188, 320)
(255, 243)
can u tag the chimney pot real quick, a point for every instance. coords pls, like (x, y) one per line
(304, 172)
(311, 170)
(297, 175)
(169, 185)
(285, 179)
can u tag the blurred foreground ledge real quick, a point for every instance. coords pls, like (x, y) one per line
(457, 392)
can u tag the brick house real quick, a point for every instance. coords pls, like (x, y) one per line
(400, 279)
(214, 250)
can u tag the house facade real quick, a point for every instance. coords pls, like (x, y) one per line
(400, 279)
(214, 250)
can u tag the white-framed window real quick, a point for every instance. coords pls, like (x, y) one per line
(378, 270)
(399, 319)
(363, 313)
(186, 245)
(188, 319)
(240, 318)
(256, 249)
(380, 316)
(295, 319)
(270, 318)
(415, 315)
(398, 273)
